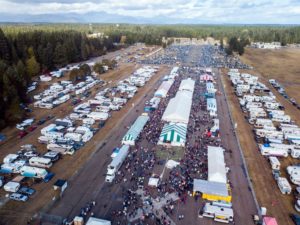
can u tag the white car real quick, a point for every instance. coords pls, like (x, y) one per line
(18, 197)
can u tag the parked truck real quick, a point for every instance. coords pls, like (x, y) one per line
(116, 163)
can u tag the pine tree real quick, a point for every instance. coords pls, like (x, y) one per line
(32, 66)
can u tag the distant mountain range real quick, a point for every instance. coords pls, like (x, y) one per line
(93, 17)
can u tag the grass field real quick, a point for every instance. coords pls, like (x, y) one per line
(282, 65)
(175, 153)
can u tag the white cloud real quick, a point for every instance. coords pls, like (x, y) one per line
(215, 11)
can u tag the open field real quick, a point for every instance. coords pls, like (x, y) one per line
(282, 65)
(265, 186)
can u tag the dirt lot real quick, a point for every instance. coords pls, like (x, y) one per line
(268, 64)
(69, 165)
(282, 65)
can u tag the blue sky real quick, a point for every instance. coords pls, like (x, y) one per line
(152, 11)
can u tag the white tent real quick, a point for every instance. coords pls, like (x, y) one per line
(135, 130)
(216, 164)
(178, 109)
(96, 221)
(153, 181)
(187, 85)
(163, 89)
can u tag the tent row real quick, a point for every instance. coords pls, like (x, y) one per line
(133, 133)
(177, 115)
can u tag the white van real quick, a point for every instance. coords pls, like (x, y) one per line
(219, 214)
(40, 162)
(12, 186)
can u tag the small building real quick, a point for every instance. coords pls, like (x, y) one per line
(212, 191)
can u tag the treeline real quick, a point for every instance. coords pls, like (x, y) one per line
(154, 33)
(24, 55)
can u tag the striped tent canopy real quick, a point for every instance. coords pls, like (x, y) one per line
(174, 134)
(135, 130)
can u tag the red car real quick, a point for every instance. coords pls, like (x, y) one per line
(32, 128)
(22, 134)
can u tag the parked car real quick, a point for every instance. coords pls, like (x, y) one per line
(41, 121)
(48, 177)
(296, 219)
(26, 191)
(1, 181)
(30, 154)
(18, 197)
(22, 134)
(32, 128)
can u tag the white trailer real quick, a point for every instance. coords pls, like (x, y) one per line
(63, 149)
(275, 164)
(284, 185)
(12, 186)
(10, 158)
(73, 136)
(292, 137)
(30, 171)
(281, 119)
(116, 163)
(54, 135)
(272, 105)
(268, 133)
(219, 214)
(295, 179)
(293, 170)
(253, 105)
(44, 139)
(40, 162)
(87, 136)
(271, 151)
(98, 115)
(261, 122)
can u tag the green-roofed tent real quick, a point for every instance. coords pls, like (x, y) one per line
(135, 130)
(173, 134)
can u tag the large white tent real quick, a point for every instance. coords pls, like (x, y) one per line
(187, 85)
(163, 89)
(178, 109)
(216, 164)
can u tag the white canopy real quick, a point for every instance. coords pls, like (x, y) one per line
(178, 109)
(187, 85)
(96, 221)
(163, 89)
(153, 181)
(216, 164)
